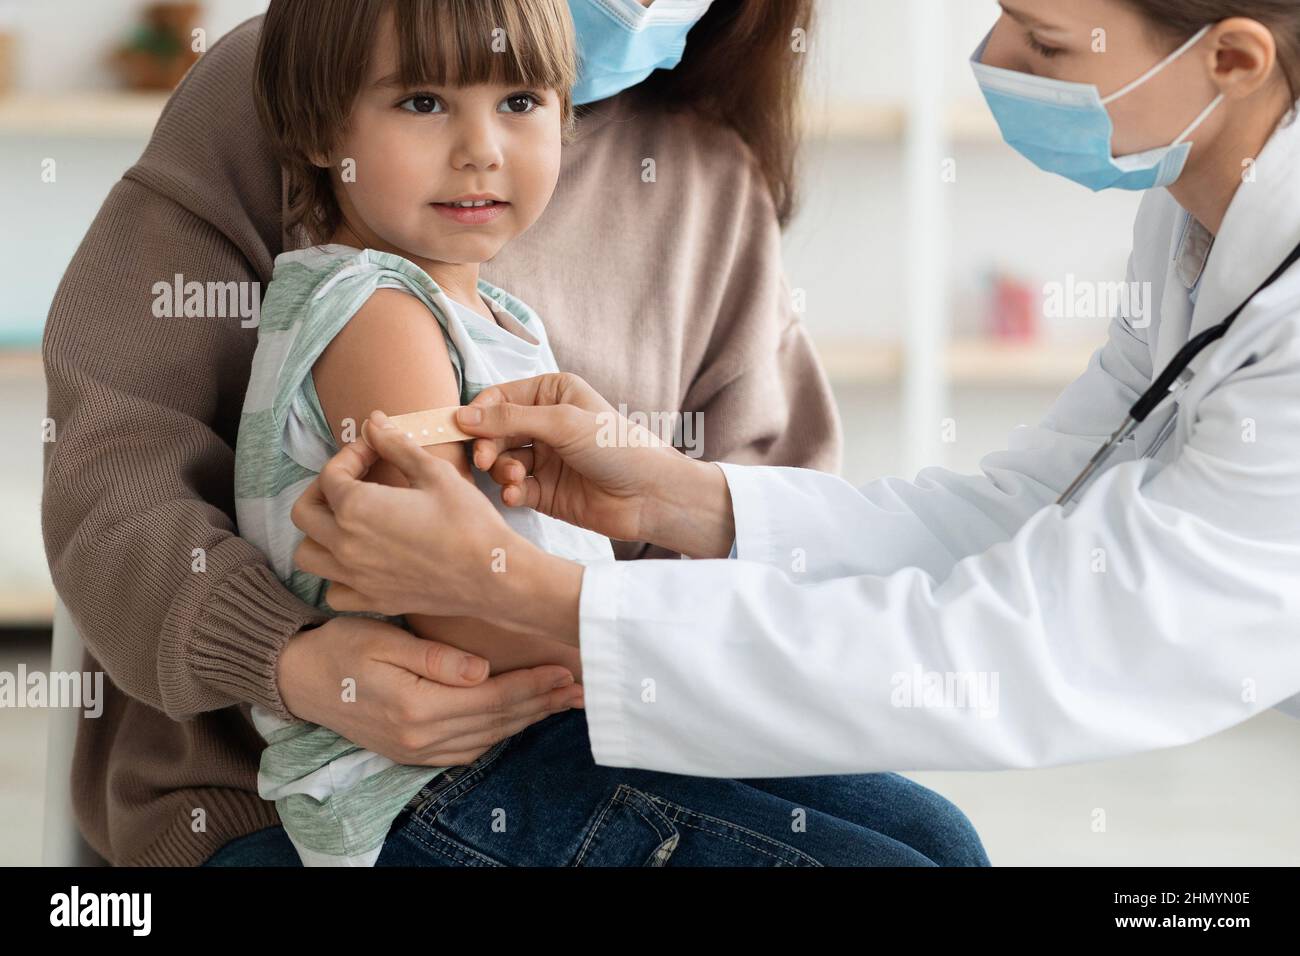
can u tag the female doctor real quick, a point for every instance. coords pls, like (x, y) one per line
(1023, 617)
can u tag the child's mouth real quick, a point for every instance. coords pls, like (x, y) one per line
(472, 214)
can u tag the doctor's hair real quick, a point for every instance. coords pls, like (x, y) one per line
(1180, 19)
(313, 56)
(741, 69)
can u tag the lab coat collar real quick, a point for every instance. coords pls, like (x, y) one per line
(1259, 230)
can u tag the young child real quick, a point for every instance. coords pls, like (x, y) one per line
(411, 155)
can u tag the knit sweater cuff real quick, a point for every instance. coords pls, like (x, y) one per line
(240, 632)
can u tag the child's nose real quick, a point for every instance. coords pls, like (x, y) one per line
(476, 146)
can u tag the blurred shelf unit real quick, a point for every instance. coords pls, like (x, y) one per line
(98, 113)
(21, 363)
(33, 608)
(886, 123)
(106, 113)
(851, 361)
(848, 361)
(971, 363)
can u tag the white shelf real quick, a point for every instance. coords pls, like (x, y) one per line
(852, 361)
(848, 122)
(855, 361)
(27, 608)
(971, 363)
(886, 123)
(21, 364)
(89, 113)
(106, 113)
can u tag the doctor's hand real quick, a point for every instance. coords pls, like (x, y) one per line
(554, 444)
(437, 547)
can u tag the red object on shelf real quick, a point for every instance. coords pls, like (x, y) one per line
(1014, 309)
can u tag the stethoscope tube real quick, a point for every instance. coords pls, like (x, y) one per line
(1177, 374)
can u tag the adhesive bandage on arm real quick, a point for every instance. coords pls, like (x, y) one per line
(433, 426)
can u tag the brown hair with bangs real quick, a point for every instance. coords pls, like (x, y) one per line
(314, 56)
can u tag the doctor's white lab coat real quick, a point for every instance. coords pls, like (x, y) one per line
(969, 622)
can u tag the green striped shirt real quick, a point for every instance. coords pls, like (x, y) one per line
(335, 799)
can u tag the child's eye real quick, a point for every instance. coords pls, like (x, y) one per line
(528, 102)
(421, 103)
(1040, 49)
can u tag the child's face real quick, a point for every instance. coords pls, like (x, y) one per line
(416, 148)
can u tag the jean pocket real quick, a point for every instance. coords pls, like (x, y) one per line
(635, 828)
(425, 839)
(454, 781)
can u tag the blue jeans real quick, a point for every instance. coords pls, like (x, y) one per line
(537, 799)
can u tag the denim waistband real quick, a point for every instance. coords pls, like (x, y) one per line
(449, 776)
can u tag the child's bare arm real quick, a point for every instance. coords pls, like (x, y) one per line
(392, 356)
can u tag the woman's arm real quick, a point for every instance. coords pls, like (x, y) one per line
(182, 613)
(393, 355)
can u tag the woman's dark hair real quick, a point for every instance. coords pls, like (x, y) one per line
(743, 67)
(1180, 19)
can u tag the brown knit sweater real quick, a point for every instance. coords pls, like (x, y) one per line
(690, 313)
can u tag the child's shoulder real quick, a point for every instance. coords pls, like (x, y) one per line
(318, 278)
(309, 283)
(332, 257)
(297, 277)
(313, 263)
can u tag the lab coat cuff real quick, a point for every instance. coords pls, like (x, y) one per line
(603, 677)
(750, 509)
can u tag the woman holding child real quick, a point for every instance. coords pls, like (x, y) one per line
(664, 289)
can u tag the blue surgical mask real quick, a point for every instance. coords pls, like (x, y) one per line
(620, 42)
(1064, 127)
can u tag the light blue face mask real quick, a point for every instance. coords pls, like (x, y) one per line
(620, 42)
(1064, 127)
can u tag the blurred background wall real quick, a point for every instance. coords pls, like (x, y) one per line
(911, 204)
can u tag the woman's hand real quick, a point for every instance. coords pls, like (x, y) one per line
(416, 701)
(588, 465)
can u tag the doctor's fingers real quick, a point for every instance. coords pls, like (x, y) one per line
(485, 451)
(551, 388)
(314, 558)
(467, 747)
(554, 407)
(344, 597)
(513, 472)
(512, 467)
(421, 470)
(313, 515)
(483, 730)
(498, 701)
(566, 428)
(316, 511)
